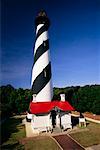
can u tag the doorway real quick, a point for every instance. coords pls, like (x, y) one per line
(53, 116)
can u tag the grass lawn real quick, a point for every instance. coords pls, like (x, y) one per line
(40, 143)
(90, 137)
(11, 132)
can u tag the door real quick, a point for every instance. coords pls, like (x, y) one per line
(53, 116)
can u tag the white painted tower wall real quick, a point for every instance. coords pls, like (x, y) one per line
(46, 93)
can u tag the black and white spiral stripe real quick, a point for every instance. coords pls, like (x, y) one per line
(41, 72)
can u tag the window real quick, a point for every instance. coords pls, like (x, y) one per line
(34, 97)
(44, 43)
(45, 74)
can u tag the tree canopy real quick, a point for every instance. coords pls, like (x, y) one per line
(86, 98)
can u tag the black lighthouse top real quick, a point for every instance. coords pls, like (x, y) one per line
(42, 19)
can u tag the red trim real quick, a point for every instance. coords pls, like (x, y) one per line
(45, 107)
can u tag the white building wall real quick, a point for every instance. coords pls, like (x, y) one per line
(41, 122)
(66, 121)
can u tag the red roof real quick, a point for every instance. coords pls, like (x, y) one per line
(45, 107)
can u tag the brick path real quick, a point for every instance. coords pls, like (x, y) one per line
(67, 143)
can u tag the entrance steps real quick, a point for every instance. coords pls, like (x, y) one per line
(57, 130)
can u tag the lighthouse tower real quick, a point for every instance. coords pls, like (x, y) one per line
(41, 71)
(45, 113)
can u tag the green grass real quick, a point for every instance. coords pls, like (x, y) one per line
(11, 132)
(90, 137)
(41, 143)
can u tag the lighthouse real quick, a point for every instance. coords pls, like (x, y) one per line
(41, 71)
(45, 113)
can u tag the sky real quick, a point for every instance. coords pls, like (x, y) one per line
(74, 35)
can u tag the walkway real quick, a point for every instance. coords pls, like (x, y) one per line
(67, 143)
(63, 139)
(94, 147)
(88, 116)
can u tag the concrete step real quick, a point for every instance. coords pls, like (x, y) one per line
(56, 130)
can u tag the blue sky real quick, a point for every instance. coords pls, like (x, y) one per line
(74, 41)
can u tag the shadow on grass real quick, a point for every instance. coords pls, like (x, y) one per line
(87, 123)
(8, 127)
(13, 146)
